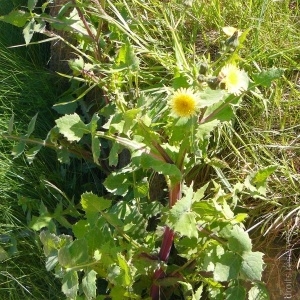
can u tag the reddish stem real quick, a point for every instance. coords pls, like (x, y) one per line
(166, 244)
(168, 237)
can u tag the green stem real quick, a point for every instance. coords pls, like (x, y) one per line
(153, 143)
(70, 148)
(218, 110)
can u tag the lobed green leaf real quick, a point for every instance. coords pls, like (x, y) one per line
(72, 127)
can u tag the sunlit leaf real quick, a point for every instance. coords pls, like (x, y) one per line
(258, 292)
(113, 157)
(117, 292)
(228, 267)
(130, 118)
(239, 240)
(52, 242)
(266, 77)
(71, 127)
(127, 58)
(38, 223)
(51, 261)
(28, 31)
(32, 152)
(117, 183)
(209, 97)
(74, 254)
(89, 284)
(16, 17)
(262, 175)
(92, 203)
(229, 30)
(96, 150)
(124, 265)
(70, 284)
(252, 265)
(181, 218)
(257, 181)
(76, 65)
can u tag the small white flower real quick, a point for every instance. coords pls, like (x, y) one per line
(236, 81)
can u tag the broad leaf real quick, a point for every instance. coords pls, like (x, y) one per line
(235, 293)
(71, 127)
(258, 292)
(252, 265)
(113, 157)
(260, 177)
(239, 240)
(70, 284)
(63, 156)
(117, 183)
(81, 228)
(32, 152)
(228, 267)
(118, 292)
(89, 284)
(74, 255)
(149, 162)
(92, 203)
(96, 149)
(181, 218)
(130, 117)
(221, 111)
(51, 241)
(266, 77)
(257, 182)
(38, 223)
(93, 126)
(125, 267)
(209, 97)
(16, 17)
(127, 58)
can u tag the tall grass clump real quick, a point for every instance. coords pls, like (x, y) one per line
(25, 89)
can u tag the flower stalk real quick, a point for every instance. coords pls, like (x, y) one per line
(167, 242)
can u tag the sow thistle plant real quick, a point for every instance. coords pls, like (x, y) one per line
(186, 242)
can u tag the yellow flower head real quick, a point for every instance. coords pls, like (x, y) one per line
(184, 103)
(236, 81)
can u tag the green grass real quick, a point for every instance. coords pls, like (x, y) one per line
(25, 89)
